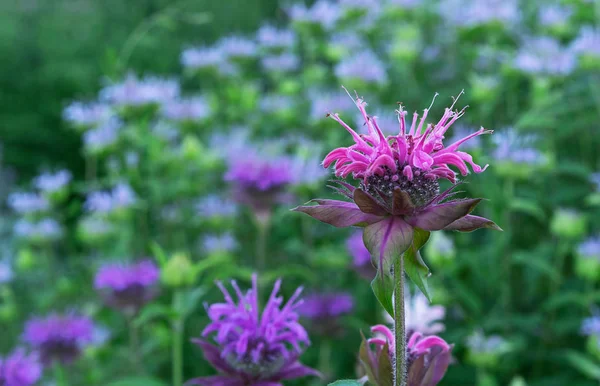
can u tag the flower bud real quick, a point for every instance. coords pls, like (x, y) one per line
(178, 272)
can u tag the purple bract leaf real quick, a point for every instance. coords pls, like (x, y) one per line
(437, 217)
(338, 213)
(367, 204)
(470, 223)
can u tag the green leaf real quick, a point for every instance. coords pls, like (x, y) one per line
(346, 382)
(159, 253)
(154, 311)
(413, 262)
(528, 207)
(138, 381)
(383, 288)
(583, 363)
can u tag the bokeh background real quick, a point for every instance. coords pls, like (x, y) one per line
(124, 127)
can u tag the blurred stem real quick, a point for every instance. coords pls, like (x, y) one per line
(399, 323)
(509, 192)
(59, 374)
(325, 357)
(177, 353)
(134, 344)
(262, 223)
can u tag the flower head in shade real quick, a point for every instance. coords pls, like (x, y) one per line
(186, 109)
(398, 184)
(324, 102)
(86, 114)
(6, 271)
(471, 13)
(273, 38)
(198, 58)
(128, 286)
(26, 202)
(237, 47)
(214, 206)
(134, 91)
(591, 325)
(120, 197)
(59, 337)
(590, 248)
(46, 229)
(52, 182)
(545, 56)
(428, 357)
(324, 310)
(587, 42)
(20, 369)
(102, 137)
(361, 257)
(323, 13)
(363, 65)
(285, 62)
(254, 348)
(554, 14)
(219, 243)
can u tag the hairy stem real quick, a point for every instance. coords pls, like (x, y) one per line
(400, 369)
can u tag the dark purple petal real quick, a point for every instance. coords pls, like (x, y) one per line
(402, 204)
(338, 213)
(213, 355)
(368, 204)
(387, 239)
(416, 371)
(437, 217)
(297, 370)
(439, 361)
(216, 380)
(469, 223)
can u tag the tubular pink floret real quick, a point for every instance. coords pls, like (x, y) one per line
(421, 151)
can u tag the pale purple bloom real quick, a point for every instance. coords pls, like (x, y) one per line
(360, 254)
(308, 169)
(545, 55)
(186, 109)
(513, 147)
(260, 172)
(363, 65)
(20, 369)
(128, 286)
(554, 14)
(52, 182)
(350, 41)
(423, 317)
(323, 12)
(59, 337)
(86, 114)
(45, 229)
(461, 130)
(274, 103)
(368, 6)
(285, 62)
(103, 136)
(95, 226)
(134, 91)
(132, 159)
(590, 248)
(121, 196)
(26, 202)
(591, 325)
(595, 179)
(587, 42)
(237, 47)
(272, 37)
(219, 243)
(253, 347)
(322, 103)
(408, 4)
(476, 12)
(324, 310)
(214, 206)
(481, 344)
(6, 272)
(203, 57)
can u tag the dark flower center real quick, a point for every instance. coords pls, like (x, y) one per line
(421, 189)
(270, 360)
(59, 350)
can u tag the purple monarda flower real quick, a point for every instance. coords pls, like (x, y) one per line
(186, 109)
(219, 243)
(20, 369)
(128, 287)
(46, 229)
(472, 13)
(325, 309)
(237, 47)
(323, 12)
(120, 197)
(361, 257)
(364, 65)
(545, 55)
(52, 182)
(271, 37)
(587, 42)
(26, 203)
(428, 358)
(214, 206)
(103, 136)
(285, 62)
(134, 91)
(86, 114)
(398, 183)
(254, 348)
(59, 337)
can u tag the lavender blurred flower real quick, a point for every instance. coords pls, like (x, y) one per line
(324, 311)
(197, 58)
(254, 348)
(591, 325)
(285, 62)
(274, 103)
(27, 203)
(102, 137)
(428, 358)
(44, 230)
(86, 114)
(551, 15)
(421, 316)
(545, 56)
(189, 109)
(405, 4)
(20, 369)
(237, 47)
(587, 42)
(323, 13)
(590, 248)
(128, 287)
(515, 154)
(273, 38)
(122, 196)
(6, 272)
(93, 228)
(219, 243)
(595, 179)
(360, 255)
(59, 337)
(214, 206)
(53, 182)
(471, 13)
(363, 65)
(484, 351)
(323, 103)
(134, 91)
(587, 261)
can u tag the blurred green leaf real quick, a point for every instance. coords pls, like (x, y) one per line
(414, 265)
(583, 363)
(138, 381)
(346, 382)
(154, 311)
(383, 288)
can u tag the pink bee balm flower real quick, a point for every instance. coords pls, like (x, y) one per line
(398, 194)
(428, 357)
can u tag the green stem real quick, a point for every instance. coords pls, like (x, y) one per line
(399, 324)
(177, 353)
(134, 345)
(60, 376)
(325, 357)
(262, 223)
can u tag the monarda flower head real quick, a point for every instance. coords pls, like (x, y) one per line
(20, 369)
(128, 287)
(324, 311)
(254, 348)
(59, 337)
(398, 199)
(428, 358)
